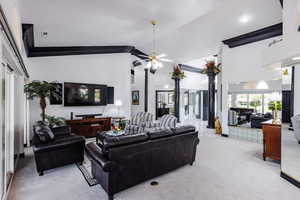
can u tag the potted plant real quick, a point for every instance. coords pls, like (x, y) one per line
(275, 106)
(54, 121)
(177, 73)
(40, 90)
(211, 67)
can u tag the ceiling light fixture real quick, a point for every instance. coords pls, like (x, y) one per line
(154, 60)
(245, 19)
(296, 58)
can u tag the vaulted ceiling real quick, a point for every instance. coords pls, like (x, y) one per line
(186, 30)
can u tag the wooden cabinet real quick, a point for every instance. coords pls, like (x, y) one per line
(272, 140)
(90, 126)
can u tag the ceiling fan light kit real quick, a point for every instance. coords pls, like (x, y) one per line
(154, 61)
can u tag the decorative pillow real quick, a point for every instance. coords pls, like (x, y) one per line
(44, 133)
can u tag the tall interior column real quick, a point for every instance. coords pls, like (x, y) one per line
(177, 98)
(211, 98)
(146, 90)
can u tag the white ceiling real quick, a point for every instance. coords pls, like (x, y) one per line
(187, 30)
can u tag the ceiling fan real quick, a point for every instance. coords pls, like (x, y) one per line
(154, 60)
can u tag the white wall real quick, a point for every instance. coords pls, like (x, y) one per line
(244, 64)
(297, 90)
(11, 11)
(194, 81)
(110, 69)
(289, 47)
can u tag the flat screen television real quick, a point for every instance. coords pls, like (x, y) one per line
(81, 94)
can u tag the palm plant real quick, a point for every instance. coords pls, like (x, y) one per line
(275, 105)
(40, 90)
(55, 121)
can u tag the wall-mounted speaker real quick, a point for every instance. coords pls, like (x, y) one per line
(110, 95)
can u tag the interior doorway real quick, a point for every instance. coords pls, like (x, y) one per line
(165, 103)
(194, 104)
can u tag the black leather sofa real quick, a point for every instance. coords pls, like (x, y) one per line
(244, 114)
(65, 148)
(256, 120)
(122, 162)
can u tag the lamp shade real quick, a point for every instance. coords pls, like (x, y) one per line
(119, 103)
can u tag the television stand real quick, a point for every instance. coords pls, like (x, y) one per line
(88, 116)
(90, 126)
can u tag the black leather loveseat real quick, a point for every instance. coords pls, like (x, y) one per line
(121, 162)
(62, 149)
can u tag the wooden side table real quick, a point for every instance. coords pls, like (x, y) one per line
(272, 140)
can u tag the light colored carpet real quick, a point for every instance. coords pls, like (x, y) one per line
(226, 169)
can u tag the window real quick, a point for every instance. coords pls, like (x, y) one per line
(241, 101)
(256, 102)
(229, 100)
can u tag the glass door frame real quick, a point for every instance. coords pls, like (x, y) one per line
(156, 100)
(7, 126)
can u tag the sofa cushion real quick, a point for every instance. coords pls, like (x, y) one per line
(183, 129)
(107, 141)
(61, 130)
(158, 132)
(44, 133)
(168, 121)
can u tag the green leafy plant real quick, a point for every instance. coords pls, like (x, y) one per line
(275, 105)
(255, 104)
(40, 90)
(177, 73)
(243, 103)
(55, 121)
(211, 66)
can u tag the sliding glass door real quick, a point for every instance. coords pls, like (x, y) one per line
(2, 136)
(7, 127)
(9, 124)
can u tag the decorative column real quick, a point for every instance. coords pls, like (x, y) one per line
(177, 98)
(211, 98)
(146, 90)
(211, 71)
(177, 75)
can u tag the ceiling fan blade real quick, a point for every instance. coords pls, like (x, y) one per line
(162, 55)
(142, 55)
(166, 60)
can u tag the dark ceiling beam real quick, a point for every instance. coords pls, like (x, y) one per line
(138, 54)
(190, 68)
(255, 36)
(32, 51)
(77, 50)
(11, 40)
(281, 2)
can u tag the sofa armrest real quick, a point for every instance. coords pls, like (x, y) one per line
(95, 153)
(61, 131)
(60, 144)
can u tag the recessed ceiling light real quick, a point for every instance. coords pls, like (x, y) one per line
(296, 58)
(245, 19)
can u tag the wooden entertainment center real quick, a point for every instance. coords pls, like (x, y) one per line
(89, 127)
